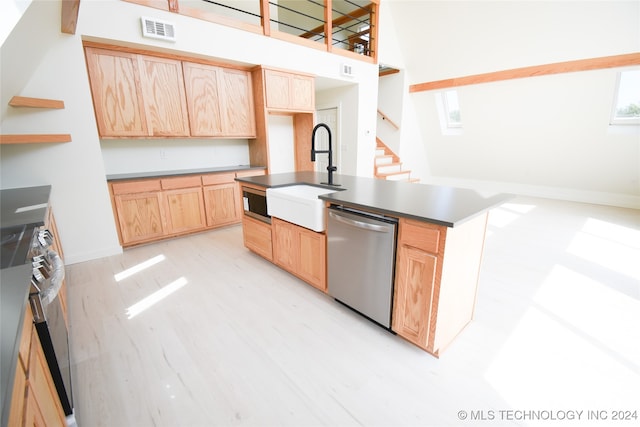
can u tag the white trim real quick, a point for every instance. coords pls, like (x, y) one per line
(88, 256)
(559, 193)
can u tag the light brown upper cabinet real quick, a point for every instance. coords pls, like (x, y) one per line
(238, 112)
(137, 95)
(219, 101)
(288, 91)
(117, 94)
(164, 97)
(146, 96)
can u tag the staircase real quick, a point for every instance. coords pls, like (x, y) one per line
(388, 166)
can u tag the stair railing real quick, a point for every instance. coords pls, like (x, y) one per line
(388, 120)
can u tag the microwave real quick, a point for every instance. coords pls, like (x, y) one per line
(255, 204)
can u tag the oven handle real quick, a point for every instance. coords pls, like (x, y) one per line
(57, 277)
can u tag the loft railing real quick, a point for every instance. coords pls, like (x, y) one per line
(347, 27)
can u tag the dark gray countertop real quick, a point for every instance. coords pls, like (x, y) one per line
(14, 291)
(446, 206)
(24, 206)
(157, 174)
(18, 207)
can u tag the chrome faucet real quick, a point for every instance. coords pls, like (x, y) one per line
(330, 169)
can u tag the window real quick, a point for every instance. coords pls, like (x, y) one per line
(626, 106)
(452, 109)
(449, 112)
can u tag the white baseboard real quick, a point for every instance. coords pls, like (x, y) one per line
(569, 194)
(71, 258)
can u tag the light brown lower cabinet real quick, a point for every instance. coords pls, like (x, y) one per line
(140, 217)
(35, 401)
(436, 280)
(151, 209)
(222, 199)
(257, 237)
(184, 210)
(300, 251)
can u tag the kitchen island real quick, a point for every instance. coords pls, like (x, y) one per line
(438, 251)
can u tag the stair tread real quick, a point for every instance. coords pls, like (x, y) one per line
(395, 173)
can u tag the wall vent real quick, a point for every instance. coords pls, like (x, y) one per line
(346, 70)
(158, 29)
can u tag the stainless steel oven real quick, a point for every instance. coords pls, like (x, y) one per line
(48, 316)
(255, 204)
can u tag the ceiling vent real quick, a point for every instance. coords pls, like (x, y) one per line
(346, 70)
(158, 29)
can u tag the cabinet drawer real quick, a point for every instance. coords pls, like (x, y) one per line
(257, 237)
(180, 182)
(218, 178)
(129, 187)
(421, 235)
(251, 172)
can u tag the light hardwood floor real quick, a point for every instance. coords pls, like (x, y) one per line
(234, 340)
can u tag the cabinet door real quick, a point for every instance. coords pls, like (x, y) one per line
(116, 91)
(302, 93)
(415, 283)
(257, 237)
(18, 397)
(164, 97)
(203, 98)
(237, 104)
(221, 206)
(140, 216)
(277, 89)
(43, 402)
(285, 245)
(312, 263)
(184, 210)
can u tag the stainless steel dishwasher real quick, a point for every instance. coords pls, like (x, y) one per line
(360, 261)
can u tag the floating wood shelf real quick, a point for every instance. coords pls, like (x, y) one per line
(35, 138)
(23, 101)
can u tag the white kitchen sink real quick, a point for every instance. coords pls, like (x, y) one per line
(298, 204)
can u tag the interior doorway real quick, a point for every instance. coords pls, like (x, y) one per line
(328, 116)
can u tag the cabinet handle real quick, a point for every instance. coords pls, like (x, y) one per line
(359, 224)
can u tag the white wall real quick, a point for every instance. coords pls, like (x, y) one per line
(346, 100)
(39, 61)
(12, 11)
(391, 97)
(48, 64)
(545, 136)
(281, 144)
(140, 155)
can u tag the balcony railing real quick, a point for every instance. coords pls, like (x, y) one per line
(346, 27)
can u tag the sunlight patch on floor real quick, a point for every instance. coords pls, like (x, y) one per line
(609, 246)
(138, 267)
(543, 365)
(596, 311)
(506, 213)
(155, 297)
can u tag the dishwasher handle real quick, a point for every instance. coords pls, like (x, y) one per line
(360, 224)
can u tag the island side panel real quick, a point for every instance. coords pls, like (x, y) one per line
(458, 287)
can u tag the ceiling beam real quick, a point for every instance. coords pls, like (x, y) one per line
(534, 71)
(69, 19)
